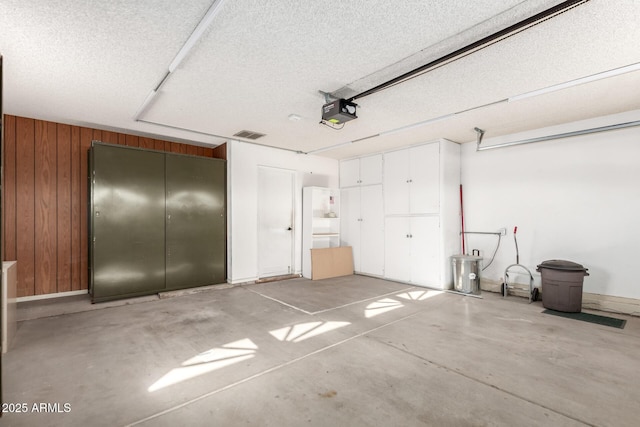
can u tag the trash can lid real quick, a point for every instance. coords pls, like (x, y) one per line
(466, 258)
(560, 264)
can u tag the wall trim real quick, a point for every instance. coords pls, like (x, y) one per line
(53, 295)
(622, 305)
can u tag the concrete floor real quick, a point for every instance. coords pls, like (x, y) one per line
(353, 351)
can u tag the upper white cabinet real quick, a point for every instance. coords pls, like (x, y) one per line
(362, 171)
(412, 180)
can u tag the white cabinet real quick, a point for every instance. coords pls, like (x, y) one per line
(361, 171)
(362, 227)
(320, 222)
(412, 180)
(422, 213)
(412, 251)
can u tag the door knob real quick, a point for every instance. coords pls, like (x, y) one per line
(289, 229)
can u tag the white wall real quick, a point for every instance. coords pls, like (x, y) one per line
(242, 187)
(575, 198)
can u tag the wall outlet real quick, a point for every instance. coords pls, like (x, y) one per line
(503, 231)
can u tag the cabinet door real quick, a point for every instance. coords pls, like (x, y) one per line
(128, 222)
(396, 185)
(425, 260)
(349, 173)
(195, 226)
(397, 248)
(424, 162)
(371, 170)
(372, 231)
(350, 222)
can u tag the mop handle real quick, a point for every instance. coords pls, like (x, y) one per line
(515, 230)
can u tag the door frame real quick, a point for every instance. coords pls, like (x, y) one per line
(292, 174)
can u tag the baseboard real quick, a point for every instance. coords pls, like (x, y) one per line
(630, 306)
(56, 295)
(621, 305)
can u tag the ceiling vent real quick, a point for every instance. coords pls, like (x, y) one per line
(247, 134)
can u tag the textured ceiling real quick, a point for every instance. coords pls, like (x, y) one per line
(94, 63)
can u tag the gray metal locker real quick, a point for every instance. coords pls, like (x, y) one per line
(157, 221)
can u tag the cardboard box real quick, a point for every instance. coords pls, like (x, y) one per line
(331, 262)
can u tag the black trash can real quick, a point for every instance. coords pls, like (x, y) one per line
(562, 285)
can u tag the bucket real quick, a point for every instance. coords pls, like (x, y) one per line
(466, 273)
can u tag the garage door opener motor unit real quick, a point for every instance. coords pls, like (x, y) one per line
(339, 111)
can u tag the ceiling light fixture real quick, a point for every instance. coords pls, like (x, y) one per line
(576, 82)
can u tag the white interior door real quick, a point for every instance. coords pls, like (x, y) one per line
(275, 221)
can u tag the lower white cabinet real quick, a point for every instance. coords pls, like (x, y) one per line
(362, 227)
(412, 250)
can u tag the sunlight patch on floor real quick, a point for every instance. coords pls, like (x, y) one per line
(208, 361)
(381, 306)
(303, 331)
(419, 295)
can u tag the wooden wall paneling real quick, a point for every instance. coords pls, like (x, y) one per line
(158, 144)
(45, 207)
(132, 141)
(9, 190)
(175, 147)
(25, 199)
(122, 139)
(220, 151)
(192, 149)
(109, 137)
(147, 143)
(76, 211)
(96, 135)
(208, 152)
(200, 151)
(85, 144)
(64, 208)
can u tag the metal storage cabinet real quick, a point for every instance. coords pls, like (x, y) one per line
(157, 221)
(127, 222)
